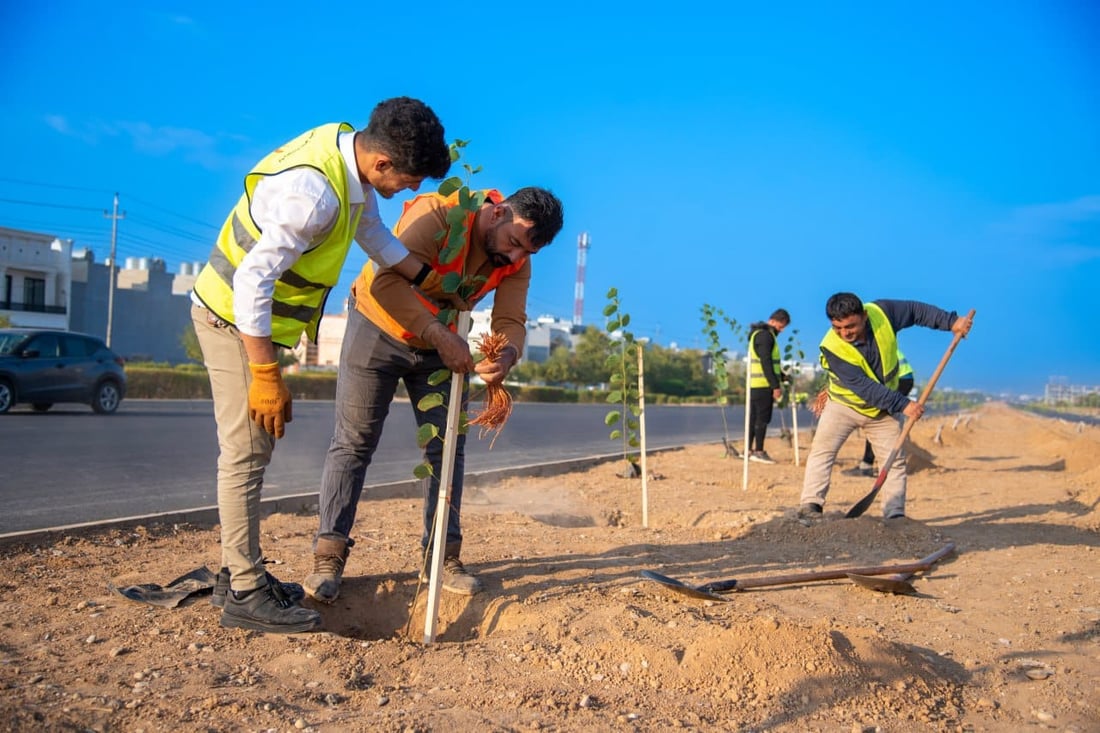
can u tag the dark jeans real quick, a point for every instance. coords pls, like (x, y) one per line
(760, 416)
(371, 363)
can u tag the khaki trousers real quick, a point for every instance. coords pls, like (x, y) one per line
(836, 424)
(244, 449)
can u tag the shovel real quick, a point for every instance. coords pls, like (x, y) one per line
(897, 584)
(863, 504)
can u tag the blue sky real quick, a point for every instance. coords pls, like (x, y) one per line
(730, 155)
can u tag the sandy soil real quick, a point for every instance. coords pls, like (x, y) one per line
(1004, 636)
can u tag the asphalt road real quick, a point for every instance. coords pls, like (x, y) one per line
(72, 466)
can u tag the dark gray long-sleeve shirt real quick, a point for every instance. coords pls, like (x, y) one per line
(901, 314)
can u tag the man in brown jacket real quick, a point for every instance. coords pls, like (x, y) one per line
(394, 332)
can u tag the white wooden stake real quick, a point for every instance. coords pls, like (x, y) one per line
(794, 424)
(641, 433)
(745, 457)
(443, 505)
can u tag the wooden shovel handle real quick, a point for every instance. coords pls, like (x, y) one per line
(913, 567)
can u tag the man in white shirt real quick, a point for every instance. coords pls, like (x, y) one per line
(278, 254)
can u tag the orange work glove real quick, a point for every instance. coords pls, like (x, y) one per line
(268, 398)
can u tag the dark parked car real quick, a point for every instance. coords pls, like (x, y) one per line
(43, 367)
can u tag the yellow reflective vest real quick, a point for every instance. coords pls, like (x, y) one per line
(300, 292)
(887, 342)
(756, 368)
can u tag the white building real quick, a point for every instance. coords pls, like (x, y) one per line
(35, 279)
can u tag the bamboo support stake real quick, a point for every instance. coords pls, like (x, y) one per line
(794, 427)
(443, 505)
(745, 457)
(641, 434)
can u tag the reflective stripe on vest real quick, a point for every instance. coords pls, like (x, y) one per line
(883, 334)
(757, 368)
(905, 369)
(374, 311)
(298, 299)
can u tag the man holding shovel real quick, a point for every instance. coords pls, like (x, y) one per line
(860, 357)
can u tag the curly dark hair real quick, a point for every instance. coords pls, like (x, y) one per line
(542, 209)
(408, 131)
(842, 305)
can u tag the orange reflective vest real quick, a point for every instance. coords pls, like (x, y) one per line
(431, 292)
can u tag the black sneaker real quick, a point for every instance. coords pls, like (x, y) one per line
(267, 609)
(294, 592)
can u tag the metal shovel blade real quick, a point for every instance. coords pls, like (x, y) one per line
(682, 588)
(885, 583)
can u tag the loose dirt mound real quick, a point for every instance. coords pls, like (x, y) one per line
(1004, 635)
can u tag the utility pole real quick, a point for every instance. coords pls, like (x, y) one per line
(114, 217)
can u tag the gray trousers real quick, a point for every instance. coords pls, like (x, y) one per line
(244, 449)
(836, 424)
(371, 363)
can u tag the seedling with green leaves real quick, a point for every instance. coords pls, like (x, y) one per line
(719, 365)
(461, 285)
(622, 364)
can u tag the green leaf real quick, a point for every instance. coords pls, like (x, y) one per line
(633, 443)
(456, 218)
(428, 401)
(450, 185)
(438, 377)
(616, 378)
(424, 470)
(613, 326)
(478, 198)
(425, 434)
(451, 282)
(612, 293)
(723, 400)
(609, 309)
(464, 198)
(611, 362)
(612, 417)
(615, 396)
(616, 434)
(625, 320)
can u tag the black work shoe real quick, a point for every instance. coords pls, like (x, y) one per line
(292, 591)
(809, 511)
(267, 609)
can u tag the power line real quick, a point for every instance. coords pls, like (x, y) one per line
(181, 216)
(56, 185)
(52, 206)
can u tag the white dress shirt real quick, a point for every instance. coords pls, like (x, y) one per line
(295, 210)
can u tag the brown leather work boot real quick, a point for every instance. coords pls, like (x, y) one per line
(329, 556)
(456, 578)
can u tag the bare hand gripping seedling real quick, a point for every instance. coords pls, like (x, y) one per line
(498, 402)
